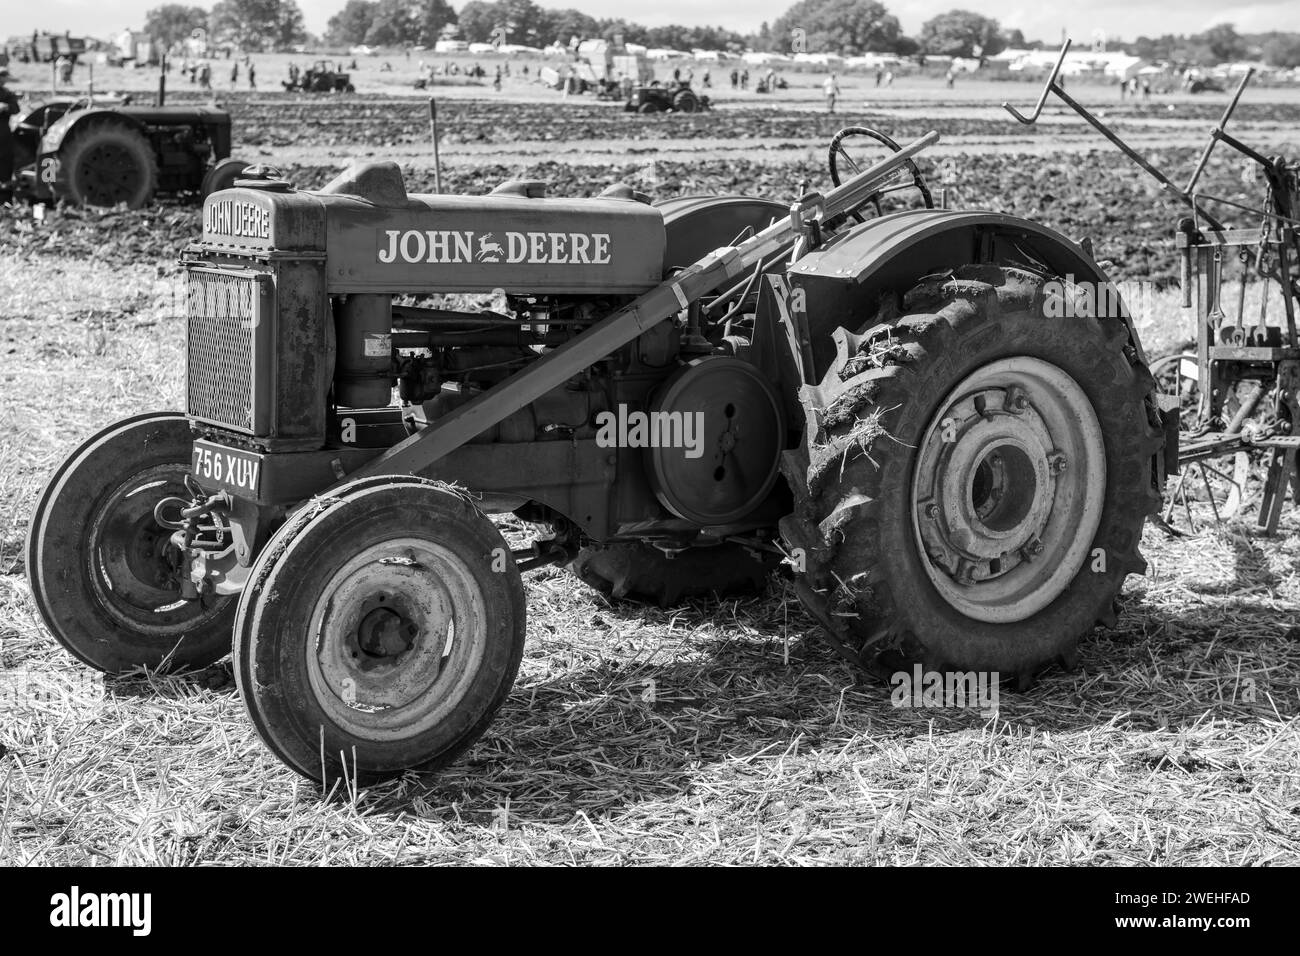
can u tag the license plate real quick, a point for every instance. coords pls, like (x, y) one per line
(230, 468)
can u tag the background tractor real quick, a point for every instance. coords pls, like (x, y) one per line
(323, 76)
(885, 397)
(103, 151)
(677, 97)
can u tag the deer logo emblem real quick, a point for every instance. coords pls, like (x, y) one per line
(489, 250)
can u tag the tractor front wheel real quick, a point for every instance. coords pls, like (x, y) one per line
(380, 631)
(974, 477)
(222, 175)
(104, 573)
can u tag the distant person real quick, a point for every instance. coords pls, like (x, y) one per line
(889, 78)
(744, 79)
(496, 80)
(252, 77)
(831, 90)
(880, 75)
(951, 79)
(1123, 88)
(234, 74)
(707, 80)
(1146, 89)
(735, 79)
(205, 76)
(8, 107)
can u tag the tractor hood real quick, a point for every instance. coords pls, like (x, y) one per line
(376, 238)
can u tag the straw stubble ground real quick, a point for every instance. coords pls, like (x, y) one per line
(1175, 741)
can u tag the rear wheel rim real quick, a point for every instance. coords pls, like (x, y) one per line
(1008, 489)
(395, 639)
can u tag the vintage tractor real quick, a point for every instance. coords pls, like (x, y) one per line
(104, 151)
(677, 97)
(886, 399)
(323, 76)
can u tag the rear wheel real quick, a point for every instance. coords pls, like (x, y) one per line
(107, 162)
(685, 102)
(381, 630)
(104, 574)
(974, 477)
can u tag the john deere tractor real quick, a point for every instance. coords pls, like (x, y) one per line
(883, 396)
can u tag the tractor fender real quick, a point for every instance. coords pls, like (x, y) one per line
(696, 225)
(58, 132)
(849, 274)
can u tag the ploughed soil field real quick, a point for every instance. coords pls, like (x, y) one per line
(1058, 171)
(1175, 741)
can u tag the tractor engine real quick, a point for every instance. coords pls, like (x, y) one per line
(324, 328)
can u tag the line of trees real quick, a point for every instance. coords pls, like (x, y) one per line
(384, 22)
(1221, 44)
(844, 27)
(247, 24)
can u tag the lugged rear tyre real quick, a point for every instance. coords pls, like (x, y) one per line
(105, 162)
(907, 481)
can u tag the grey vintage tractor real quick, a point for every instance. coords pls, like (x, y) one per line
(885, 397)
(102, 151)
(323, 76)
(676, 97)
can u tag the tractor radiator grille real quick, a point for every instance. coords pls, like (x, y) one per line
(224, 313)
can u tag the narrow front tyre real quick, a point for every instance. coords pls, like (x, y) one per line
(380, 632)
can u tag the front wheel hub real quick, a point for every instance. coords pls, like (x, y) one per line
(1008, 489)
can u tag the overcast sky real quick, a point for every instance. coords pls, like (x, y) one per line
(1044, 19)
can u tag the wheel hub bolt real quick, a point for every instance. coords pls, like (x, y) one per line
(1057, 463)
(932, 511)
